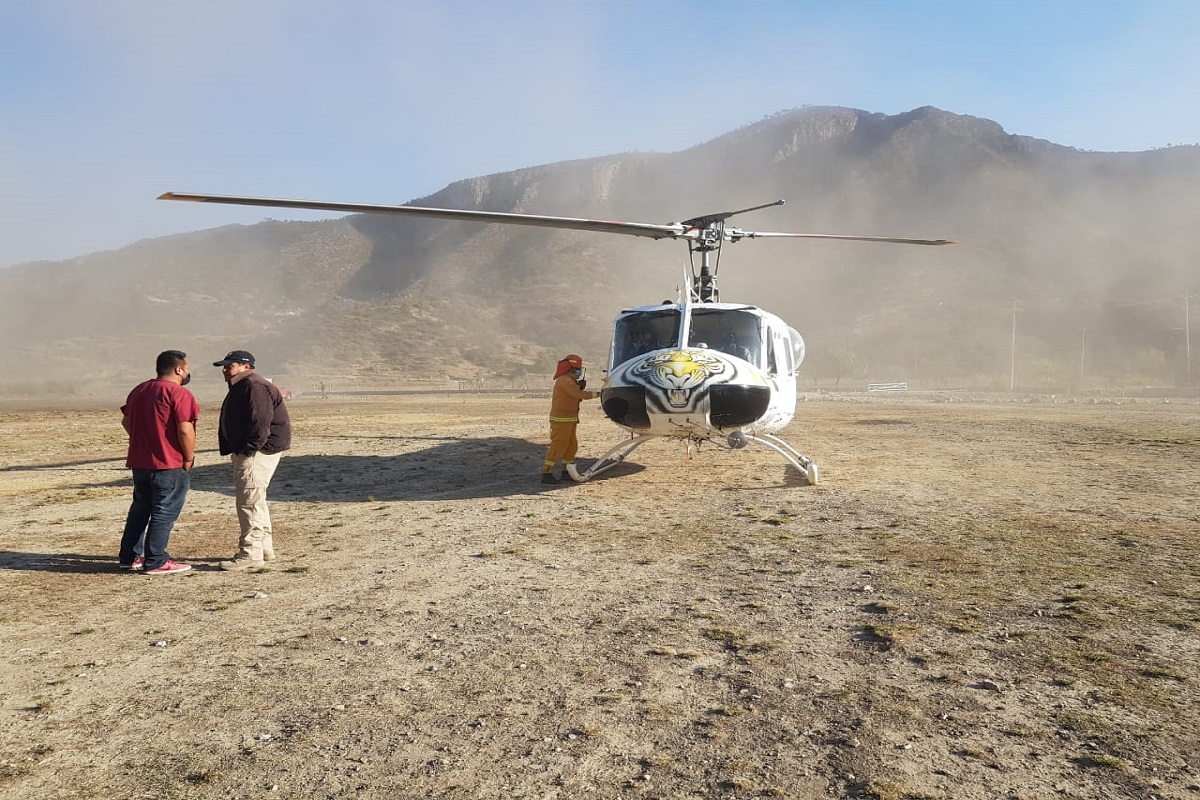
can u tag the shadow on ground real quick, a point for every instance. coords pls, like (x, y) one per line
(78, 563)
(451, 468)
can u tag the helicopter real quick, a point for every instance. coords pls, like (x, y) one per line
(695, 369)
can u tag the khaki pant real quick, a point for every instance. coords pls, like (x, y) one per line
(251, 477)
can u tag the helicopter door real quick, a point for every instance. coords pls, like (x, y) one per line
(779, 355)
(785, 352)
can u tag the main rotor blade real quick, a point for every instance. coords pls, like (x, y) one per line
(692, 229)
(734, 235)
(571, 223)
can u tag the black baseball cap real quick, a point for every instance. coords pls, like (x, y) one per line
(235, 357)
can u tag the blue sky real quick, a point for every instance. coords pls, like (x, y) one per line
(104, 105)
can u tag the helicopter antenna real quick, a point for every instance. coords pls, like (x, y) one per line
(709, 235)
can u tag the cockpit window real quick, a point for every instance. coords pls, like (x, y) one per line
(729, 330)
(796, 342)
(642, 332)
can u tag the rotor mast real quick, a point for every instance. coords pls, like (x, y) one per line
(708, 234)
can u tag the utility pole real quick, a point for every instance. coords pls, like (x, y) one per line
(1012, 367)
(1083, 355)
(1187, 337)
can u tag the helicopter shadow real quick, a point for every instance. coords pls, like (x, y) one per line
(452, 469)
(792, 479)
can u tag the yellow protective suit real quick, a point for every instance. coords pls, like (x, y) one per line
(564, 419)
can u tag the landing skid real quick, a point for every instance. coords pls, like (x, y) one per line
(790, 454)
(622, 450)
(610, 459)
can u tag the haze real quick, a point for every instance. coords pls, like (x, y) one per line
(107, 105)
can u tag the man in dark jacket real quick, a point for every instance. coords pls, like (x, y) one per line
(254, 431)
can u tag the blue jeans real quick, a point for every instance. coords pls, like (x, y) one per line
(158, 496)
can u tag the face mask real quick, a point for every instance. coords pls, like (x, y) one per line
(186, 379)
(578, 373)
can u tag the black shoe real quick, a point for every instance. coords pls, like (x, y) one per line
(548, 477)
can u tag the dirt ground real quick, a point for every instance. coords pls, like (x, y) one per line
(980, 600)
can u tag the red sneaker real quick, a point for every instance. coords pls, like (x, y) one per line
(169, 567)
(136, 566)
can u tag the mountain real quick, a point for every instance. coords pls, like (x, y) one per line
(1086, 256)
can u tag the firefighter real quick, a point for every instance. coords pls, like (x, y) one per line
(569, 391)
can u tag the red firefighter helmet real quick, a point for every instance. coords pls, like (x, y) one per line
(568, 363)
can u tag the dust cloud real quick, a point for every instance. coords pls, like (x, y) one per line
(1074, 271)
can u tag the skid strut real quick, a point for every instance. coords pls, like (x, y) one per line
(610, 459)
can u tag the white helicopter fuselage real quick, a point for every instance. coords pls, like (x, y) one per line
(701, 370)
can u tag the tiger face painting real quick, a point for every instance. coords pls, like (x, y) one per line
(678, 374)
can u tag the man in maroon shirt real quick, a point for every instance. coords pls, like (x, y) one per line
(160, 417)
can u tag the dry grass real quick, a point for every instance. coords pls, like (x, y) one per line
(934, 620)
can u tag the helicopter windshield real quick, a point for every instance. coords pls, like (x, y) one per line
(730, 330)
(640, 332)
